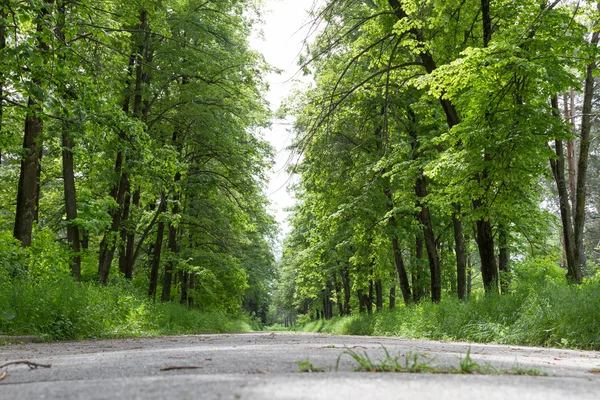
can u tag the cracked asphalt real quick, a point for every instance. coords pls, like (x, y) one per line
(261, 366)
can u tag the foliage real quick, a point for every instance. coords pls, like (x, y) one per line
(424, 143)
(554, 315)
(61, 309)
(158, 105)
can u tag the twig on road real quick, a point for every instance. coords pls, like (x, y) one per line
(172, 367)
(30, 364)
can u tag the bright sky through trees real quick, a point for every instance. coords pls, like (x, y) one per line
(280, 40)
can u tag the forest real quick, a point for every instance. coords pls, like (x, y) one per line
(445, 155)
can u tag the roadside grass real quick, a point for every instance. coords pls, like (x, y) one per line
(61, 309)
(552, 315)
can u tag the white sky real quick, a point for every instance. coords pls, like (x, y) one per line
(281, 44)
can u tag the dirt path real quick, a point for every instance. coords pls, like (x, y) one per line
(258, 365)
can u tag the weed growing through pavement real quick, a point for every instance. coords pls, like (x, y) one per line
(307, 366)
(419, 363)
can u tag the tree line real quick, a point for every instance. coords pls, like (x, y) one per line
(129, 137)
(442, 147)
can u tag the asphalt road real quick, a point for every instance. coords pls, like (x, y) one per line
(261, 366)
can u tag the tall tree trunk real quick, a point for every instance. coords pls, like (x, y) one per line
(401, 270)
(485, 244)
(71, 204)
(125, 226)
(558, 170)
(582, 163)
(571, 165)
(67, 162)
(484, 233)
(27, 192)
(429, 238)
(459, 250)
(155, 260)
(173, 245)
(130, 246)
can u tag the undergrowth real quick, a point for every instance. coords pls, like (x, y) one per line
(61, 309)
(554, 315)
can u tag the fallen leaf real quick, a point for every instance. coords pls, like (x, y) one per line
(3, 375)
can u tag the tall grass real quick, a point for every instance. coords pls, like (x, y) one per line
(61, 309)
(556, 315)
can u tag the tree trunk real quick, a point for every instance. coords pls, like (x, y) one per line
(503, 258)
(155, 260)
(129, 248)
(173, 245)
(429, 238)
(417, 273)
(338, 294)
(485, 244)
(67, 162)
(361, 301)
(378, 295)
(185, 284)
(369, 301)
(392, 304)
(558, 170)
(347, 295)
(459, 250)
(401, 270)
(71, 204)
(28, 189)
(469, 276)
(582, 163)
(110, 238)
(125, 226)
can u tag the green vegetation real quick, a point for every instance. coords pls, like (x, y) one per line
(447, 183)
(418, 363)
(131, 162)
(307, 366)
(555, 315)
(61, 309)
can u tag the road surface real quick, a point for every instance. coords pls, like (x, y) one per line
(262, 366)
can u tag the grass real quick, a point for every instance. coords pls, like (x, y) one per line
(419, 363)
(307, 366)
(61, 309)
(551, 315)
